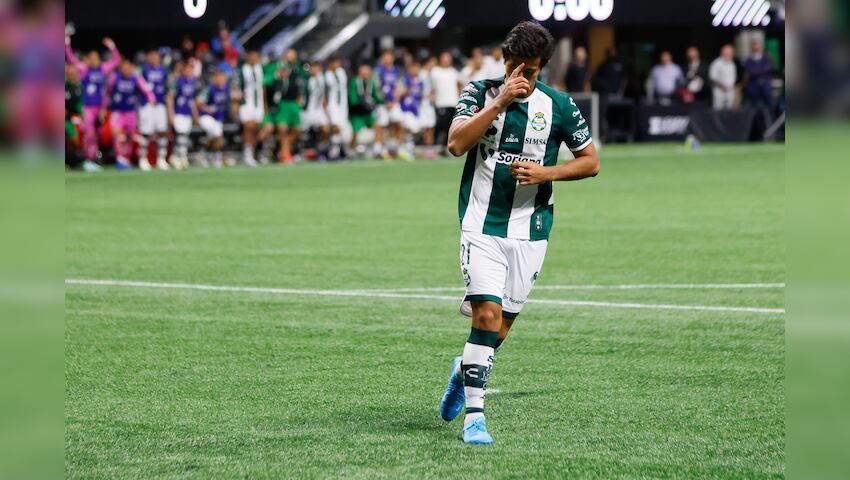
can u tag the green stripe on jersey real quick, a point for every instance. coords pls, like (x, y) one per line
(504, 185)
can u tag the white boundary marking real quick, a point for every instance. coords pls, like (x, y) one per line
(385, 294)
(648, 286)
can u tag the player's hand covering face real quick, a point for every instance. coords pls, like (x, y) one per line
(529, 69)
(516, 85)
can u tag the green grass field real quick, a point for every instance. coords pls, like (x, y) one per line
(322, 379)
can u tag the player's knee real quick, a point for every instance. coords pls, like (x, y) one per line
(487, 315)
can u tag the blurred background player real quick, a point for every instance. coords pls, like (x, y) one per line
(411, 104)
(388, 116)
(445, 79)
(427, 114)
(214, 105)
(73, 116)
(284, 82)
(125, 90)
(182, 112)
(315, 118)
(249, 80)
(364, 95)
(93, 75)
(336, 93)
(153, 116)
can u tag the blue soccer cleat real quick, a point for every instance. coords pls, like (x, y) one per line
(476, 433)
(453, 399)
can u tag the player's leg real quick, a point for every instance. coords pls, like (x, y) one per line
(182, 128)
(381, 123)
(89, 131)
(161, 134)
(283, 139)
(119, 140)
(146, 130)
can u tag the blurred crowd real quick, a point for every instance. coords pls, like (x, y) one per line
(201, 102)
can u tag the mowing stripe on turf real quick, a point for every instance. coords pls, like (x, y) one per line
(376, 294)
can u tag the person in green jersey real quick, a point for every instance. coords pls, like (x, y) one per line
(510, 129)
(284, 85)
(73, 113)
(364, 95)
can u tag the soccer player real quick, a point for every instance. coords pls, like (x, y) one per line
(153, 116)
(411, 105)
(125, 89)
(73, 114)
(315, 118)
(427, 113)
(363, 95)
(182, 112)
(94, 75)
(252, 108)
(336, 82)
(511, 129)
(388, 115)
(284, 84)
(213, 104)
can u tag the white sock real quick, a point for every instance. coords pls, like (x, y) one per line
(476, 366)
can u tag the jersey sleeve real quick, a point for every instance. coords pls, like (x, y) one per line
(471, 100)
(574, 127)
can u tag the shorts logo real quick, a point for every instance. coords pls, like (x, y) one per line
(538, 123)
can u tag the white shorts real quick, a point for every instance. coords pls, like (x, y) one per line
(338, 115)
(384, 116)
(251, 113)
(502, 270)
(427, 115)
(314, 118)
(153, 118)
(212, 127)
(182, 124)
(412, 122)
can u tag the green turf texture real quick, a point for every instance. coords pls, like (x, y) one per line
(194, 384)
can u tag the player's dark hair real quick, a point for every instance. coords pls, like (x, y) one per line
(529, 40)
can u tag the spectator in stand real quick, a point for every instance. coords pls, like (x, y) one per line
(445, 80)
(187, 48)
(724, 75)
(664, 80)
(226, 43)
(608, 79)
(758, 72)
(474, 70)
(576, 79)
(94, 75)
(696, 76)
(125, 89)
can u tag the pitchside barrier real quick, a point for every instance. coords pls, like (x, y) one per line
(676, 122)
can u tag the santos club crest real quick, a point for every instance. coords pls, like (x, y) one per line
(538, 123)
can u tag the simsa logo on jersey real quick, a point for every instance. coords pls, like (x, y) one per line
(576, 10)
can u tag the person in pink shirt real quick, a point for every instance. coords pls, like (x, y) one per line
(93, 75)
(124, 91)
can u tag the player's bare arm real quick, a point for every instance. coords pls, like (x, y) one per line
(585, 165)
(465, 133)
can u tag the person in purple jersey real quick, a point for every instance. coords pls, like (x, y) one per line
(93, 74)
(214, 103)
(125, 90)
(182, 111)
(388, 115)
(153, 116)
(411, 104)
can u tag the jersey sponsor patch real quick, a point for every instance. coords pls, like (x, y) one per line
(581, 134)
(505, 157)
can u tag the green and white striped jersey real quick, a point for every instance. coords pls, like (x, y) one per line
(530, 129)
(250, 82)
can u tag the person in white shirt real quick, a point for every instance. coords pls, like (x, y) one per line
(445, 80)
(474, 70)
(494, 64)
(664, 80)
(723, 75)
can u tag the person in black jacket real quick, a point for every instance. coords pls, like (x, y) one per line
(696, 76)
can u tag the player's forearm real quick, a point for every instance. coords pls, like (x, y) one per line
(464, 134)
(582, 167)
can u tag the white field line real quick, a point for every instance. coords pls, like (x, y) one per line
(356, 293)
(639, 286)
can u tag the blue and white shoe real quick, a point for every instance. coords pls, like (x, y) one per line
(453, 398)
(476, 433)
